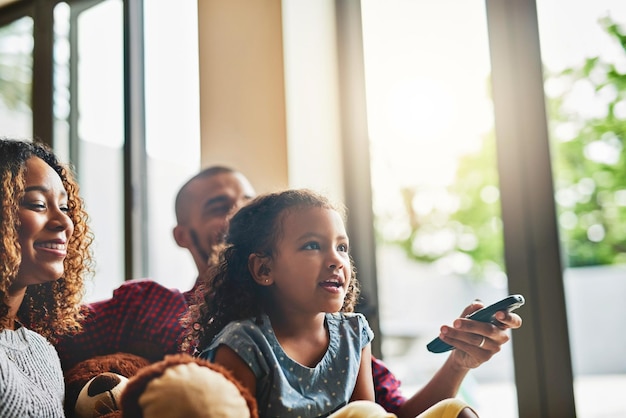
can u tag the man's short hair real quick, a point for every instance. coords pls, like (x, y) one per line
(183, 193)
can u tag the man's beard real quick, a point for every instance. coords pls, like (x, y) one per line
(215, 246)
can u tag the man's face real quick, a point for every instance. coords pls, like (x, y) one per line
(211, 202)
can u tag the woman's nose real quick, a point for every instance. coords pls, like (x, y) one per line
(60, 220)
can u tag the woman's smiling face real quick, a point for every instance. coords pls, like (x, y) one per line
(45, 226)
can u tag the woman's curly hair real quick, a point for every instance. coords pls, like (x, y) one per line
(51, 309)
(228, 291)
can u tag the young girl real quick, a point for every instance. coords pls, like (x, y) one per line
(43, 255)
(278, 311)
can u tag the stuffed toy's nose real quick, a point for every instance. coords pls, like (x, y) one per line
(192, 391)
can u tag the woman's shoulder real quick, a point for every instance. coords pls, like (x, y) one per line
(24, 339)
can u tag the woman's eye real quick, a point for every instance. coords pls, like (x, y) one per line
(64, 208)
(311, 246)
(35, 205)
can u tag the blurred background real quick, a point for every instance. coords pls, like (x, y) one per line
(478, 145)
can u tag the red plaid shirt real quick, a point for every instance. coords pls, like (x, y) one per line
(142, 318)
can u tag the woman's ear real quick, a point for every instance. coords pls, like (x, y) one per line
(260, 270)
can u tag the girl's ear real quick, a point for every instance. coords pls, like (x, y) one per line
(259, 269)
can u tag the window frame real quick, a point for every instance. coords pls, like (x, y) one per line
(42, 99)
(542, 356)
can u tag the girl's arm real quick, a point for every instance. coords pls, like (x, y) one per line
(227, 357)
(364, 387)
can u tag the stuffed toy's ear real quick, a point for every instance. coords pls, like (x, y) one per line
(184, 386)
(100, 397)
(77, 377)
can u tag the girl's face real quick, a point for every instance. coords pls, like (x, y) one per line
(310, 271)
(45, 226)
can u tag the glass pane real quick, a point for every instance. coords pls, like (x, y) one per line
(435, 186)
(100, 91)
(16, 74)
(89, 119)
(172, 124)
(61, 82)
(584, 59)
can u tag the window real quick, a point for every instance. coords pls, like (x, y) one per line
(16, 61)
(435, 186)
(89, 120)
(120, 106)
(584, 61)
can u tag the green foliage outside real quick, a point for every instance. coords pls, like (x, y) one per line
(15, 64)
(589, 166)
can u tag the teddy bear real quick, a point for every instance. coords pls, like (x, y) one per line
(125, 385)
(98, 382)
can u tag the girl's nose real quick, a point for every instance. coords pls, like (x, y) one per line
(336, 262)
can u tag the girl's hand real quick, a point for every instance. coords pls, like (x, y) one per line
(476, 342)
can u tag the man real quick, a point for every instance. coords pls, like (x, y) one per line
(142, 316)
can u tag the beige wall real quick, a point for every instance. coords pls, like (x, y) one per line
(270, 106)
(242, 94)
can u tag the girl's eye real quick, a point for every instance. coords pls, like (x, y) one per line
(64, 208)
(311, 246)
(343, 248)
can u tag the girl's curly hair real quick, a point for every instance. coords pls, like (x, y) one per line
(228, 291)
(51, 309)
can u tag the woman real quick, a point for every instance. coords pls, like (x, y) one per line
(44, 253)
